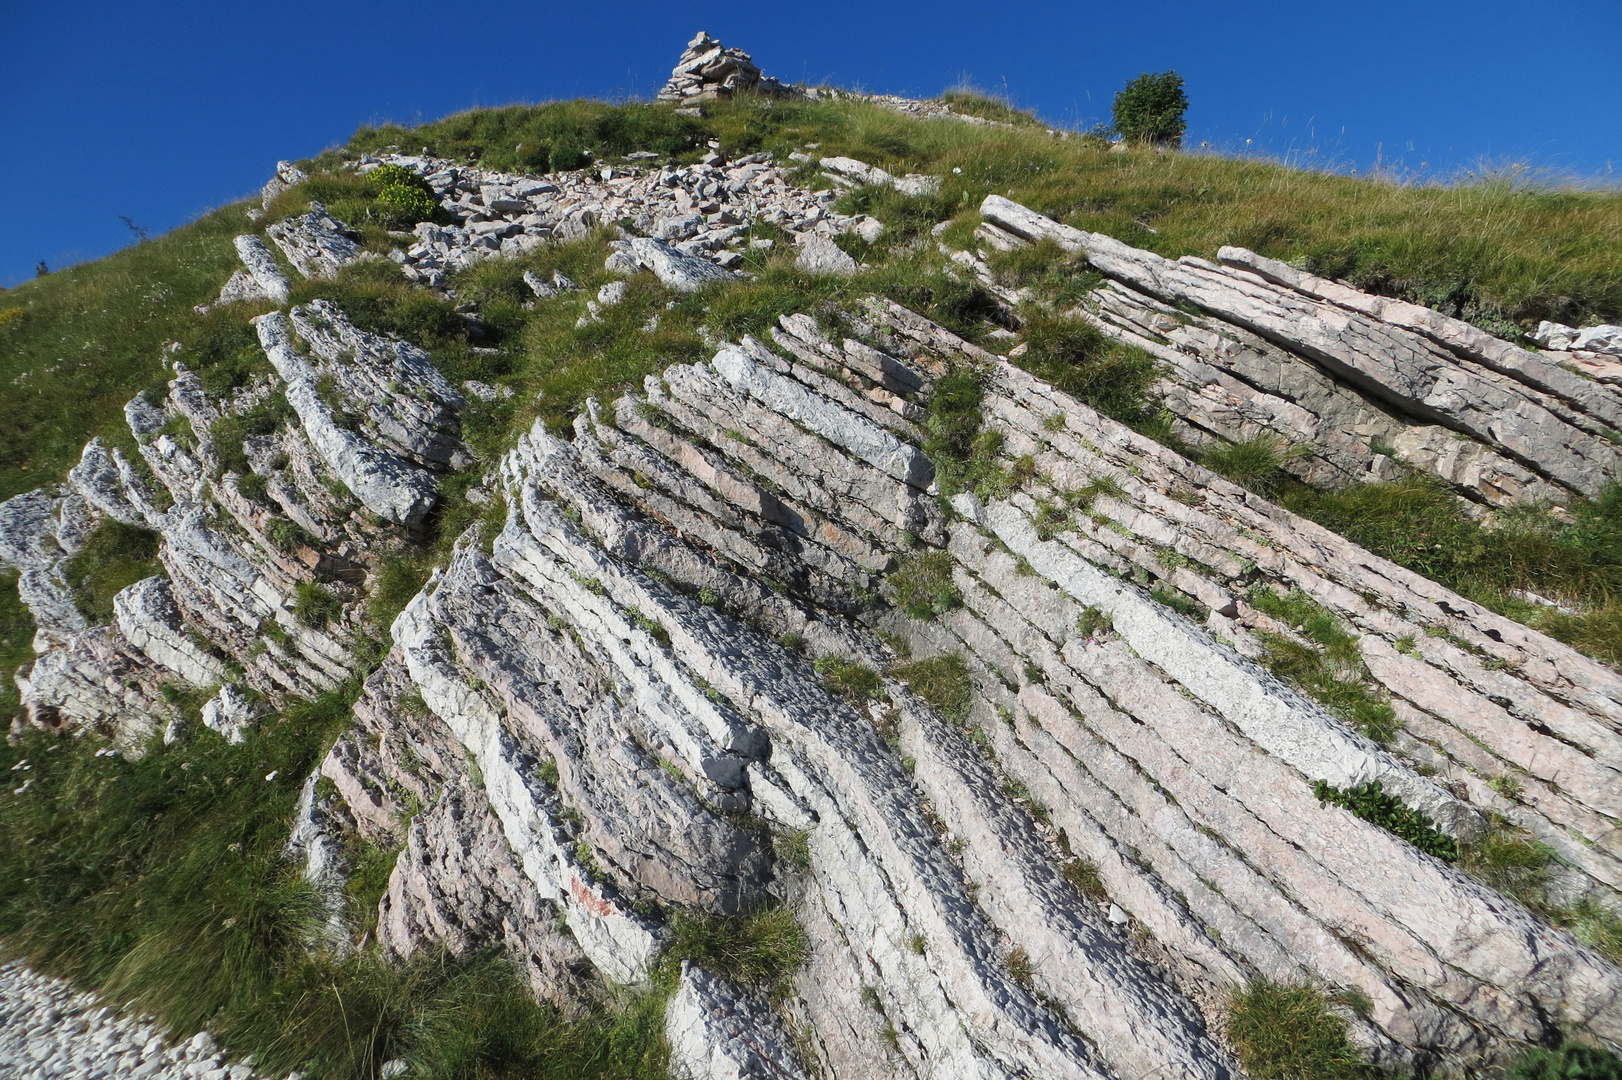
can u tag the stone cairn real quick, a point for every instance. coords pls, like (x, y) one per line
(709, 71)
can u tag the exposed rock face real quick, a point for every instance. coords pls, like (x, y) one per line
(717, 1033)
(315, 243)
(709, 70)
(646, 695)
(1410, 359)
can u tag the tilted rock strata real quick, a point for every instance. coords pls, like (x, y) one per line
(608, 712)
(1409, 358)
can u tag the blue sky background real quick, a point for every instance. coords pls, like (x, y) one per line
(162, 109)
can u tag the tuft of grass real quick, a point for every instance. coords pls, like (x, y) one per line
(856, 683)
(114, 557)
(763, 948)
(1257, 464)
(943, 681)
(969, 100)
(1332, 673)
(397, 581)
(923, 584)
(1076, 357)
(315, 605)
(1083, 876)
(1570, 1061)
(1282, 1032)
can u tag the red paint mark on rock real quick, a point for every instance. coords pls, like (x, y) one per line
(589, 900)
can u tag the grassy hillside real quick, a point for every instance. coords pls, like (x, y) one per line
(162, 880)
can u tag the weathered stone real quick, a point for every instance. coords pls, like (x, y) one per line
(819, 255)
(315, 243)
(680, 271)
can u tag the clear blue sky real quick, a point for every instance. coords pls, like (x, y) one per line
(162, 109)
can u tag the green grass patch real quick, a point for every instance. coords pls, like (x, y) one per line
(114, 556)
(1281, 1032)
(16, 642)
(943, 681)
(1330, 669)
(763, 948)
(77, 344)
(923, 584)
(161, 882)
(1573, 557)
(1076, 357)
(1571, 1061)
(856, 683)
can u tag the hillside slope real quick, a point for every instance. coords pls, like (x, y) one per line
(777, 582)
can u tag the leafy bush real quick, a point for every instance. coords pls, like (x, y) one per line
(405, 194)
(1282, 1032)
(943, 681)
(116, 555)
(1150, 109)
(1373, 805)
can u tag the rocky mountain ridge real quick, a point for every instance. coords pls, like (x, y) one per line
(1004, 747)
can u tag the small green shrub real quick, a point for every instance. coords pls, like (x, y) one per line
(1150, 109)
(1284, 1032)
(254, 487)
(943, 681)
(854, 682)
(1170, 597)
(404, 194)
(1373, 805)
(923, 584)
(114, 556)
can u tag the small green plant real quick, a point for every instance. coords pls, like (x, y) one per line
(1170, 597)
(1372, 804)
(792, 848)
(1332, 673)
(1150, 109)
(1083, 876)
(1076, 357)
(315, 605)
(1256, 464)
(763, 948)
(856, 683)
(397, 582)
(923, 584)
(403, 194)
(943, 681)
(1282, 1032)
(1020, 968)
(1092, 623)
